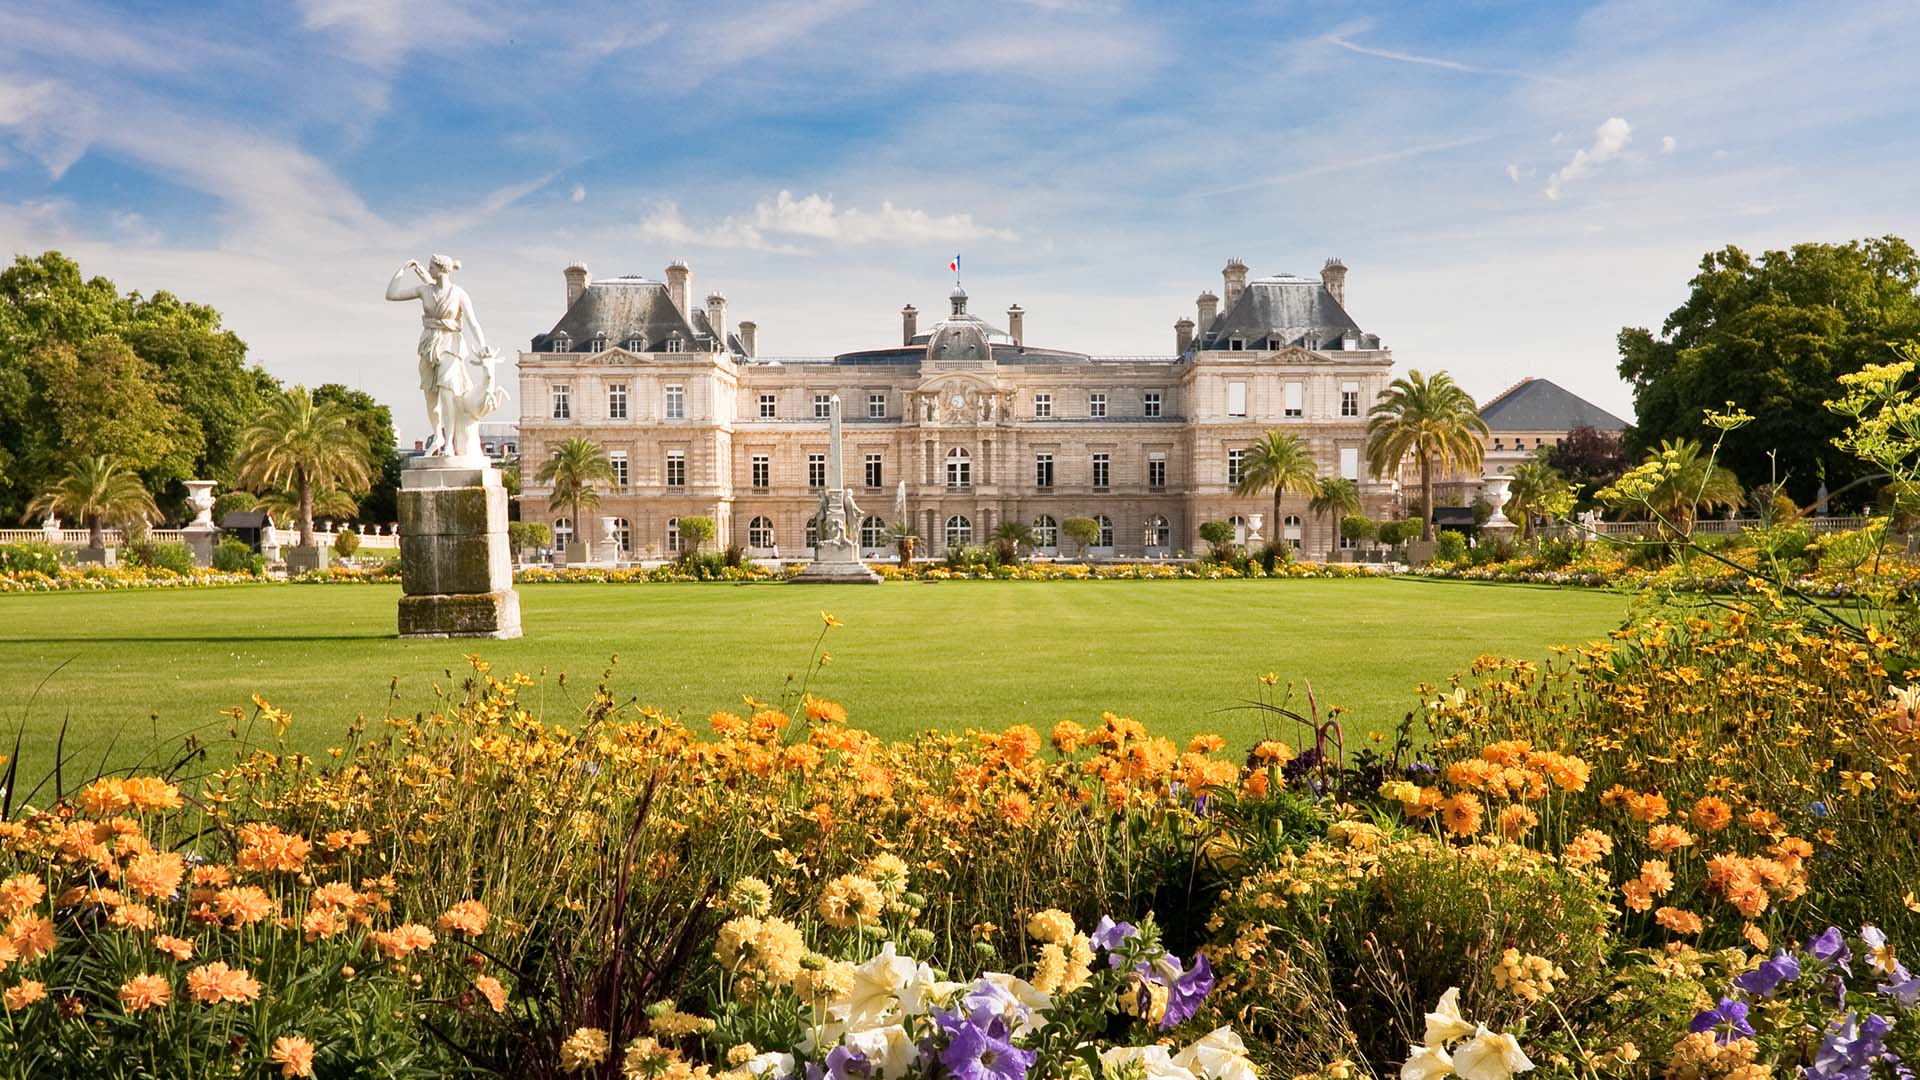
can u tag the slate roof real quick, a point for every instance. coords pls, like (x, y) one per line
(245, 519)
(1003, 355)
(1540, 405)
(1276, 311)
(622, 309)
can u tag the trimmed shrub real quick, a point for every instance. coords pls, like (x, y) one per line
(156, 556)
(346, 543)
(1449, 546)
(35, 555)
(235, 557)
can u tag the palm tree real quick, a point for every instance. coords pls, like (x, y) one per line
(576, 465)
(1009, 536)
(332, 502)
(303, 447)
(1432, 418)
(1281, 462)
(1537, 488)
(98, 491)
(1688, 483)
(1339, 497)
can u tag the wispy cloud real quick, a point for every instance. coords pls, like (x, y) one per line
(1609, 139)
(814, 217)
(1346, 164)
(1438, 62)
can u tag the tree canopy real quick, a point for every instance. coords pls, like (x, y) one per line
(1773, 335)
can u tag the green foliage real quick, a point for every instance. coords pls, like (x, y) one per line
(1359, 527)
(571, 474)
(1275, 553)
(233, 556)
(694, 531)
(1432, 419)
(158, 556)
(1008, 538)
(36, 556)
(1774, 335)
(97, 491)
(1081, 530)
(527, 535)
(228, 502)
(1395, 533)
(1538, 490)
(1589, 460)
(374, 422)
(1278, 462)
(346, 543)
(1450, 546)
(304, 446)
(1674, 484)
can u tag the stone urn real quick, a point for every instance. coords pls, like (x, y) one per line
(1253, 528)
(50, 528)
(610, 538)
(1494, 490)
(200, 501)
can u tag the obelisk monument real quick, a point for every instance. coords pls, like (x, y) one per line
(836, 551)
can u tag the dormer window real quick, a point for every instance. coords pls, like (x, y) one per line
(637, 344)
(562, 343)
(674, 344)
(1236, 344)
(599, 344)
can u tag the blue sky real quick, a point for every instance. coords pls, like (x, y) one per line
(1510, 183)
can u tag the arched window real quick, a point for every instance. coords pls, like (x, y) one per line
(1239, 528)
(1046, 532)
(562, 532)
(673, 536)
(959, 531)
(1158, 533)
(873, 532)
(1290, 531)
(959, 468)
(1106, 530)
(623, 533)
(813, 531)
(760, 533)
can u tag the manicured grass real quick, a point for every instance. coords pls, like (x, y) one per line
(130, 671)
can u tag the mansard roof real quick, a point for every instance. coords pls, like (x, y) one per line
(1284, 310)
(622, 309)
(1003, 355)
(1541, 405)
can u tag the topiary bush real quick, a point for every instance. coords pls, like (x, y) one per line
(1449, 546)
(346, 543)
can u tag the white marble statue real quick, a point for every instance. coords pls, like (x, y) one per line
(457, 369)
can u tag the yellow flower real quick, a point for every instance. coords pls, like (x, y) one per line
(586, 1047)
(827, 617)
(848, 901)
(1051, 926)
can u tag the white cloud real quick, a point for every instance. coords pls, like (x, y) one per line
(579, 194)
(1436, 62)
(1513, 172)
(814, 217)
(1667, 144)
(1608, 140)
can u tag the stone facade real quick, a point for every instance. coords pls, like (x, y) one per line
(980, 426)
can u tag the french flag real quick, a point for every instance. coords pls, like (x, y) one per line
(955, 264)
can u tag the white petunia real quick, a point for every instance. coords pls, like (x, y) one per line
(1023, 1007)
(1488, 1056)
(1220, 1055)
(890, 1050)
(1444, 1023)
(1156, 1060)
(887, 988)
(771, 1066)
(1427, 1063)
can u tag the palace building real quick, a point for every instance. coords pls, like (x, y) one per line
(964, 425)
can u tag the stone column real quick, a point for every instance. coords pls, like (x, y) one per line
(456, 574)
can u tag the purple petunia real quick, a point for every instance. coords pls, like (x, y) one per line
(1768, 977)
(1186, 992)
(981, 1051)
(1830, 947)
(846, 1063)
(1729, 1014)
(1110, 935)
(1850, 1048)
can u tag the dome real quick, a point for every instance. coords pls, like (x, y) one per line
(959, 342)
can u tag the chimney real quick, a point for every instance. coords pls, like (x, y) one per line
(1334, 276)
(1015, 317)
(576, 274)
(1234, 278)
(679, 284)
(1209, 306)
(750, 339)
(717, 319)
(1182, 336)
(909, 324)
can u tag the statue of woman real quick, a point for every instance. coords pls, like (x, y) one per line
(446, 312)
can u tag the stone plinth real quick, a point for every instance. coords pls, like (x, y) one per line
(836, 573)
(456, 570)
(200, 542)
(302, 559)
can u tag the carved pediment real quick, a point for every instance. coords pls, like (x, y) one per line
(1294, 354)
(961, 400)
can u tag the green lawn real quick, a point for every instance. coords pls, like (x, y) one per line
(128, 671)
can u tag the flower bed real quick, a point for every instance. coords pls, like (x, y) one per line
(112, 578)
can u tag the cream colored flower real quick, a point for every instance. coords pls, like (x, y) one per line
(1490, 1056)
(1444, 1023)
(888, 1049)
(1427, 1063)
(1219, 1055)
(1156, 1061)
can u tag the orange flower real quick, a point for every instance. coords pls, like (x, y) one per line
(1516, 820)
(20, 892)
(402, 940)
(213, 983)
(1755, 936)
(1461, 813)
(1589, 847)
(1667, 839)
(151, 793)
(32, 936)
(133, 917)
(1067, 736)
(107, 795)
(244, 904)
(1016, 809)
(265, 848)
(491, 989)
(343, 839)
(1636, 895)
(23, 995)
(1657, 876)
(1650, 806)
(467, 917)
(1273, 752)
(294, 1055)
(1255, 785)
(1678, 920)
(826, 712)
(178, 948)
(143, 992)
(1712, 813)
(1206, 744)
(156, 874)
(321, 923)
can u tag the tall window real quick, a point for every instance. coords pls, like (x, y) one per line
(767, 409)
(1106, 531)
(1233, 465)
(1042, 405)
(1043, 470)
(1296, 395)
(1046, 532)
(676, 403)
(1350, 462)
(1290, 531)
(1236, 399)
(760, 533)
(873, 532)
(876, 406)
(562, 532)
(816, 471)
(618, 459)
(813, 532)
(562, 402)
(1158, 533)
(1156, 470)
(623, 533)
(676, 468)
(617, 401)
(1096, 404)
(1102, 470)
(874, 477)
(959, 469)
(1150, 403)
(822, 406)
(762, 469)
(959, 531)
(1350, 399)
(673, 535)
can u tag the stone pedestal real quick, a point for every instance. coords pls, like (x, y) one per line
(576, 553)
(456, 572)
(302, 559)
(98, 556)
(200, 541)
